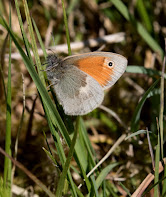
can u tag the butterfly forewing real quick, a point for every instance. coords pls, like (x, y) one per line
(106, 68)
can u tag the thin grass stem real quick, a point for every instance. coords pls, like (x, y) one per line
(7, 162)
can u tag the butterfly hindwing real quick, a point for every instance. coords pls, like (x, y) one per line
(78, 92)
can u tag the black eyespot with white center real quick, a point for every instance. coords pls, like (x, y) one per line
(110, 64)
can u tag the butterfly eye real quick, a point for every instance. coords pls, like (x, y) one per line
(110, 64)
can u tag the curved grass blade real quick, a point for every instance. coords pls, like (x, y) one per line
(136, 116)
(139, 27)
(104, 173)
(143, 70)
(137, 133)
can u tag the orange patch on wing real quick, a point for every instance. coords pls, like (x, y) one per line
(96, 68)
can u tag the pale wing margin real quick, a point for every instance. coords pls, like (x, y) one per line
(120, 65)
(78, 92)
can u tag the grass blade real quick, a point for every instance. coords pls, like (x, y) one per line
(104, 173)
(27, 44)
(161, 118)
(40, 39)
(33, 42)
(143, 70)
(139, 27)
(137, 133)
(156, 175)
(7, 162)
(94, 186)
(136, 116)
(162, 104)
(125, 189)
(66, 27)
(67, 164)
(144, 15)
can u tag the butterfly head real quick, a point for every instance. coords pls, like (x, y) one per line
(52, 61)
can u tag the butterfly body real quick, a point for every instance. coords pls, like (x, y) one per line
(79, 80)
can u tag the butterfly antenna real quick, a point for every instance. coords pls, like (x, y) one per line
(53, 39)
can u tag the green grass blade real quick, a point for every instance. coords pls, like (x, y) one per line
(125, 189)
(27, 44)
(40, 39)
(152, 186)
(33, 42)
(156, 174)
(137, 133)
(66, 27)
(2, 55)
(79, 192)
(110, 188)
(50, 156)
(164, 182)
(161, 115)
(143, 70)
(56, 137)
(139, 27)
(144, 15)
(82, 152)
(19, 128)
(67, 164)
(136, 116)
(3, 191)
(7, 162)
(83, 134)
(104, 188)
(94, 186)
(3, 82)
(104, 173)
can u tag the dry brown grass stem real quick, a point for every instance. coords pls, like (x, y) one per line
(147, 181)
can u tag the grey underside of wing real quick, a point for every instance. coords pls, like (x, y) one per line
(78, 92)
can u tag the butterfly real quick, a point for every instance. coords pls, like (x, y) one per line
(79, 81)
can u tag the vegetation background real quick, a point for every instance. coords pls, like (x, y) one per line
(134, 105)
